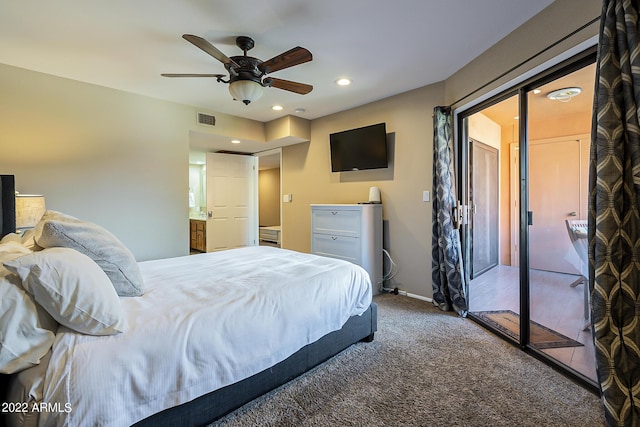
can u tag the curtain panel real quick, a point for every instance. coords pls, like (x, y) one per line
(450, 289)
(614, 220)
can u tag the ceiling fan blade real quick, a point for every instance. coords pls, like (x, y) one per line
(209, 48)
(296, 87)
(297, 55)
(192, 75)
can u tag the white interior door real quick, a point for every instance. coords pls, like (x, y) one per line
(556, 193)
(232, 196)
(558, 174)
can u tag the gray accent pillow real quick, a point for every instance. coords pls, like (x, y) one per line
(56, 229)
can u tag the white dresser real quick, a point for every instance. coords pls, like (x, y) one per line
(352, 233)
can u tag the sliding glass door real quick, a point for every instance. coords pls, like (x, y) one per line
(523, 162)
(559, 113)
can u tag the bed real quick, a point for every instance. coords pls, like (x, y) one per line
(209, 333)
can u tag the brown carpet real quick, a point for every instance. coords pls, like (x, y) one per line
(426, 368)
(541, 337)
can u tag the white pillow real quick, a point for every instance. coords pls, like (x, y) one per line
(72, 288)
(26, 330)
(56, 229)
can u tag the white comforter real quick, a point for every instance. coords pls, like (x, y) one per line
(205, 321)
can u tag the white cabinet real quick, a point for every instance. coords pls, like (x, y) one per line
(352, 233)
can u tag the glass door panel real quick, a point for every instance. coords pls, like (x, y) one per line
(558, 160)
(492, 245)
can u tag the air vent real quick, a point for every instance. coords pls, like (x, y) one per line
(206, 119)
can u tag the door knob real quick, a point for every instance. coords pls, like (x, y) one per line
(574, 213)
(210, 214)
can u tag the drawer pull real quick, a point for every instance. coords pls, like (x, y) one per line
(334, 213)
(334, 238)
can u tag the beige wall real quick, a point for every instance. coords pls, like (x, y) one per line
(485, 130)
(111, 157)
(307, 176)
(269, 197)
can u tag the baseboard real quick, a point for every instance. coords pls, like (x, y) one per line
(420, 297)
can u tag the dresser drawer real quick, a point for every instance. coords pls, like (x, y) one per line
(341, 247)
(336, 221)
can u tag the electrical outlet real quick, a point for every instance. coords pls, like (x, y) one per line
(426, 196)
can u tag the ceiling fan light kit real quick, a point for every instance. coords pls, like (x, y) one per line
(248, 75)
(246, 91)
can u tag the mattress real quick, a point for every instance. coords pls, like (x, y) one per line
(204, 322)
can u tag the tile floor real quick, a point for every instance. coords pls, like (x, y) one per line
(554, 304)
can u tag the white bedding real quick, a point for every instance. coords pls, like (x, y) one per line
(204, 321)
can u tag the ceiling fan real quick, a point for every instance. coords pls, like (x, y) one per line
(248, 75)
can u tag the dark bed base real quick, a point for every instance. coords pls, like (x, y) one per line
(210, 407)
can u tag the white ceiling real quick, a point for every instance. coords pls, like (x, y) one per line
(385, 47)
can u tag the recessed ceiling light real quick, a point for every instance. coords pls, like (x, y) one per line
(536, 91)
(564, 95)
(300, 110)
(235, 141)
(343, 82)
(277, 107)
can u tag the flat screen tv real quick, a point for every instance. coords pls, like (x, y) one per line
(359, 149)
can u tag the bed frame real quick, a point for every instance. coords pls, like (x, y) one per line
(209, 407)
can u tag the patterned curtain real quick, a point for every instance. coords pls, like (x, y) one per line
(614, 220)
(450, 289)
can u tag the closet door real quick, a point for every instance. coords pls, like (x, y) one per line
(484, 207)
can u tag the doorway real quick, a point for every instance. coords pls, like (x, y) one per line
(270, 197)
(223, 201)
(536, 294)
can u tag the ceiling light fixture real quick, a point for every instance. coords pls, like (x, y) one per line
(565, 94)
(235, 141)
(343, 82)
(277, 107)
(246, 91)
